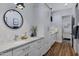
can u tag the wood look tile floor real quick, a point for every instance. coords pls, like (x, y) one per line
(61, 49)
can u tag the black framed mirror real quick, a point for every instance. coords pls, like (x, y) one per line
(13, 19)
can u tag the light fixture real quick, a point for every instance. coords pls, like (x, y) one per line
(51, 19)
(20, 6)
(76, 5)
(66, 4)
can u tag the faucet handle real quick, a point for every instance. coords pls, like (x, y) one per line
(15, 37)
(25, 33)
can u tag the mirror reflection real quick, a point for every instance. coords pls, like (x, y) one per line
(13, 19)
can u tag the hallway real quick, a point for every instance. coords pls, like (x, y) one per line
(61, 49)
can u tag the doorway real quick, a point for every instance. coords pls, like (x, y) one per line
(67, 29)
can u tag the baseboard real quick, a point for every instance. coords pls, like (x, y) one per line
(66, 38)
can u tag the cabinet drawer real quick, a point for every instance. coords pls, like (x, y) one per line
(35, 44)
(34, 49)
(21, 51)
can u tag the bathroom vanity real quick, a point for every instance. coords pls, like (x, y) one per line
(33, 46)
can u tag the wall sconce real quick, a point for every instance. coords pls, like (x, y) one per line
(20, 6)
(76, 5)
(51, 18)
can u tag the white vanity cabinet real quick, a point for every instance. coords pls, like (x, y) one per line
(44, 47)
(53, 38)
(21, 51)
(38, 47)
(34, 49)
(9, 53)
(30, 49)
(47, 42)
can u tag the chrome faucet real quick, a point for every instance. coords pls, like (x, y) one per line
(25, 33)
(15, 37)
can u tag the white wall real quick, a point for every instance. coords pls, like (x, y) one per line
(42, 16)
(33, 14)
(77, 15)
(76, 41)
(61, 6)
(7, 34)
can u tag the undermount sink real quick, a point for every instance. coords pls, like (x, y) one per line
(18, 40)
(53, 30)
(21, 37)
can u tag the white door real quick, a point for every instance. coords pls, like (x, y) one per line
(67, 27)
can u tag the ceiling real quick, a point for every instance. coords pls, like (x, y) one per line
(60, 6)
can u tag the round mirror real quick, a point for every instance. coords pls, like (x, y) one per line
(13, 19)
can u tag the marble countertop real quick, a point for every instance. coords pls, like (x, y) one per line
(13, 44)
(10, 45)
(53, 30)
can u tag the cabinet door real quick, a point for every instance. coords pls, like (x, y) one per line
(21, 51)
(53, 39)
(44, 46)
(9, 53)
(47, 42)
(34, 49)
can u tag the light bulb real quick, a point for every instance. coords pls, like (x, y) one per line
(66, 4)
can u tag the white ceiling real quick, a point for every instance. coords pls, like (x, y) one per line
(60, 6)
